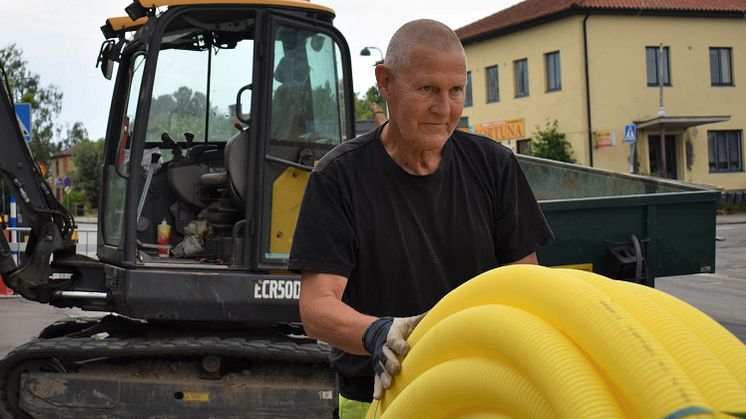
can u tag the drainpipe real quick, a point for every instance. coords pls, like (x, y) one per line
(588, 90)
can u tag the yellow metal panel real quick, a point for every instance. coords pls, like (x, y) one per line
(287, 192)
(300, 4)
(125, 23)
(196, 397)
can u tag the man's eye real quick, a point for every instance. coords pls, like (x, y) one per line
(427, 88)
(458, 89)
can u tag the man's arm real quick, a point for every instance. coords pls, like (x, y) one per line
(528, 260)
(326, 317)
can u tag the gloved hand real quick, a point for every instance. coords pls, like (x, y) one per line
(386, 340)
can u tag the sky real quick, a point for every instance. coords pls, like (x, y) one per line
(61, 40)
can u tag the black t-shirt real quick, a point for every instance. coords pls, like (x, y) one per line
(404, 241)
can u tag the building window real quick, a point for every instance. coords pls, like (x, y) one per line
(654, 60)
(493, 84)
(721, 67)
(467, 93)
(520, 70)
(463, 124)
(554, 74)
(523, 146)
(725, 150)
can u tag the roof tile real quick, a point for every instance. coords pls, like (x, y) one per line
(531, 10)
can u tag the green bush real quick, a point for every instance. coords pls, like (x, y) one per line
(74, 198)
(550, 143)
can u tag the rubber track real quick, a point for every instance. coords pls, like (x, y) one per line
(77, 349)
(66, 349)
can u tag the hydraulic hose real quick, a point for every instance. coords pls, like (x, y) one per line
(530, 341)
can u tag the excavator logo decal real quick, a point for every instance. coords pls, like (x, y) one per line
(277, 289)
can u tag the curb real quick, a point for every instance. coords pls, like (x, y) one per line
(738, 218)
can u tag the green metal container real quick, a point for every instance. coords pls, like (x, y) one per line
(595, 213)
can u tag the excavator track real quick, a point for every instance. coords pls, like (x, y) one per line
(211, 376)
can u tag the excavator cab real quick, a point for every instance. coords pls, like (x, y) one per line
(220, 109)
(218, 114)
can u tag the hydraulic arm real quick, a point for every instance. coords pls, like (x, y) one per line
(51, 224)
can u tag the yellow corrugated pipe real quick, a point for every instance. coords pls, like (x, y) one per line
(527, 341)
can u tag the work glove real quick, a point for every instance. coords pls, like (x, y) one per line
(386, 340)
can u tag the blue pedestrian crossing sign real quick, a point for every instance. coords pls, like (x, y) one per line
(630, 133)
(23, 112)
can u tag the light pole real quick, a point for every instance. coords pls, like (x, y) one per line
(365, 52)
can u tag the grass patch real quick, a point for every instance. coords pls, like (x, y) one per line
(725, 208)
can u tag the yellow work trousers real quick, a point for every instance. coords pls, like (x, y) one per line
(352, 409)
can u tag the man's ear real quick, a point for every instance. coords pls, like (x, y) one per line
(383, 79)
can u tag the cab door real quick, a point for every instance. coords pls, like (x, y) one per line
(117, 154)
(309, 100)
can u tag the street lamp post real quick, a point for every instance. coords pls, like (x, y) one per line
(365, 52)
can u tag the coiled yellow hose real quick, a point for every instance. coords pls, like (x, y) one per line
(527, 341)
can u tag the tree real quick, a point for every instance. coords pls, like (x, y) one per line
(362, 104)
(46, 102)
(87, 174)
(77, 133)
(178, 112)
(549, 143)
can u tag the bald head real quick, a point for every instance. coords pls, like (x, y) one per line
(419, 34)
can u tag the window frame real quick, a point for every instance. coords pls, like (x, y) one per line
(493, 91)
(666, 66)
(520, 77)
(523, 147)
(468, 91)
(551, 67)
(713, 143)
(719, 61)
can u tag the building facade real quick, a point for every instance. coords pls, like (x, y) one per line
(602, 69)
(61, 166)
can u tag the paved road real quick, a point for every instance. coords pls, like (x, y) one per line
(721, 295)
(21, 320)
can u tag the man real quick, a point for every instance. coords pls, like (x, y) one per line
(395, 219)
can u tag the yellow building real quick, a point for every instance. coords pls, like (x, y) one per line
(595, 66)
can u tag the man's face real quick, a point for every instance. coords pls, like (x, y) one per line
(426, 97)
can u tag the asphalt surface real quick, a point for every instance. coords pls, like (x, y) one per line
(22, 320)
(721, 295)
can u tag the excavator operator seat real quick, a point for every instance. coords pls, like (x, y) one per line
(233, 179)
(236, 166)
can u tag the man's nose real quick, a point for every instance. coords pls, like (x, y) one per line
(441, 105)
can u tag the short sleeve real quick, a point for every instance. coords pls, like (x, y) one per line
(521, 228)
(324, 239)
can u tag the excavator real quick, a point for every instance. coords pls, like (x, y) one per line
(219, 111)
